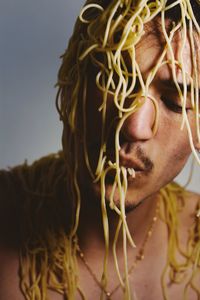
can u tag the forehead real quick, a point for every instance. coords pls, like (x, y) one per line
(151, 46)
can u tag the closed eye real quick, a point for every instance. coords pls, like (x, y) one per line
(173, 106)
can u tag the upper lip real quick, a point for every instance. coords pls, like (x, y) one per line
(128, 161)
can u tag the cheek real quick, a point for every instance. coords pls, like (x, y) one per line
(194, 127)
(93, 115)
(173, 157)
(174, 141)
(180, 151)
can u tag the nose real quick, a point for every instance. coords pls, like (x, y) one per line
(141, 125)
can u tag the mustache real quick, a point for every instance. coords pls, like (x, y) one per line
(148, 164)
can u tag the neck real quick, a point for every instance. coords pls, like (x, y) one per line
(91, 224)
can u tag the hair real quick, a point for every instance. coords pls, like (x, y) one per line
(104, 34)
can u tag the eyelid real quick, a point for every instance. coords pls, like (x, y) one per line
(170, 95)
(175, 97)
(171, 105)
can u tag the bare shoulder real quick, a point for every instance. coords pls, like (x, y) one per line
(191, 223)
(9, 233)
(9, 193)
(189, 217)
(27, 196)
(192, 204)
(194, 197)
(27, 208)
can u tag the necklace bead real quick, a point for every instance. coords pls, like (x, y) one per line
(108, 294)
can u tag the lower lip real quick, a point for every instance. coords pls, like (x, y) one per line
(111, 176)
(138, 174)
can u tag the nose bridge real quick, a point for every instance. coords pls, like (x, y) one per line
(140, 124)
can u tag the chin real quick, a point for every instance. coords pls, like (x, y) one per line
(134, 197)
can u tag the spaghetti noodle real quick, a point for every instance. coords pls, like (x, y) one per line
(105, 33)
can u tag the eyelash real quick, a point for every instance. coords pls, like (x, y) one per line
(172, 106)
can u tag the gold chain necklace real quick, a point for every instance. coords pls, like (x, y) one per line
(139, 257)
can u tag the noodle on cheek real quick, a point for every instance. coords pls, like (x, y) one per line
(123, 137)
(160, 156)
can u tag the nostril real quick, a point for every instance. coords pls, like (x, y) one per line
(125, 137)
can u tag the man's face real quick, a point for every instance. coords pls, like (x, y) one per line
(158, 158)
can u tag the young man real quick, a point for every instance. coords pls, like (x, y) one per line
(102, 219)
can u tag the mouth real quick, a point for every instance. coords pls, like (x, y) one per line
(133, 170)
(136, 164)
(132, 164)
(131, 174)
(133, 159)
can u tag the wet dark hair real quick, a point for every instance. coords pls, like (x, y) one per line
(174, 13)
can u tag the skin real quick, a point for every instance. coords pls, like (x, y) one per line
(162, 156)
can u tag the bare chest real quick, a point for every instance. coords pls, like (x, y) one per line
(145, 282)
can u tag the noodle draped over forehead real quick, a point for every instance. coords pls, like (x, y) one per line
(105, 37)
(108, 32)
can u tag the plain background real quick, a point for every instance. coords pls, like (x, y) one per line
(33, 34)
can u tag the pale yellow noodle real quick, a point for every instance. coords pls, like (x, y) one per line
(107, 38)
